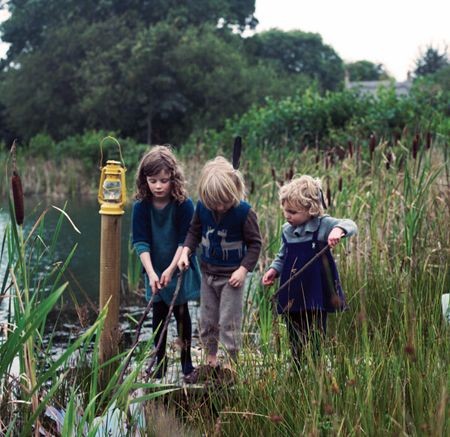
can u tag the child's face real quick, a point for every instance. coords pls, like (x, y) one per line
(223, 207)
(160, 185)
(295, 217)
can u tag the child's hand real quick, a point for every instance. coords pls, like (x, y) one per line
(166, 277)
(269, 277)
(183, 262)
(238, 277)
(335, 236)
(154, 282)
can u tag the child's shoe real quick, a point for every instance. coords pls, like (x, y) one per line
(187, 369)
(201, 374)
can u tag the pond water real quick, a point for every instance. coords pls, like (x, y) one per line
(84, 267)
(83, 271)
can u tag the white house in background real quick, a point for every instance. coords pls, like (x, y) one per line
(372, 86)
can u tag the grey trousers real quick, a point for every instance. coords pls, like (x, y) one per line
(221, 307)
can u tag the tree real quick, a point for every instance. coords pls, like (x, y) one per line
(41, 89)
(178, 80)
(431, 61)
(298, 52)
(31, 20)
(366, 70)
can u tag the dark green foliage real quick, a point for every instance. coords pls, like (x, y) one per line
(159, 71)
(31, 20)
(431, 61)
(308, 119)
(155, 84)
(300, 53)
(365, 70)
(112, 65)
(42, 145)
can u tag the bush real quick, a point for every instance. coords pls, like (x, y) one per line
(310, 119)
(42, 145)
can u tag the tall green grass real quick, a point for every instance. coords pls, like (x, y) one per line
(32, 380)
(385, 364)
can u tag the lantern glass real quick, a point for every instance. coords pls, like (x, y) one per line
(112, 190)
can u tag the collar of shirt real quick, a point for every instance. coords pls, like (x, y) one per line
(300, 231)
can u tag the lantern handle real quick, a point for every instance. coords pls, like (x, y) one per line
(101, 150)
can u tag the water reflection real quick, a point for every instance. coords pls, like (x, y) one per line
(83, 271)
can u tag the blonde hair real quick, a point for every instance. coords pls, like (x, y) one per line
(220, 184)
(303, 193)
(157, 159)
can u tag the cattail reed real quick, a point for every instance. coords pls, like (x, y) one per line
(290, 173)
(410, 351)
(350, 148)
(415, 146)
(428, 141)
(340, 152)
(328, 196)
(340, 184)
(389, 158)
(331, 157)
(17, 190)
(275, 418)
(274, 174)
(372, 144)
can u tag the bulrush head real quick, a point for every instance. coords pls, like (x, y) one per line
(415, 146)
(389, 158)
(428, 140)
(328, 196)
(372, 145)
(17, 190)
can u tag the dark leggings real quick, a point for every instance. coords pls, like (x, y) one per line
(305, 327)
(184, 329)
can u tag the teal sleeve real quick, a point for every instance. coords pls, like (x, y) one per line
(141, 247)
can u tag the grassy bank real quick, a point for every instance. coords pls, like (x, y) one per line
(384, 367)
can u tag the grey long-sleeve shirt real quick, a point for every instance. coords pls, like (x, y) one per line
(305, 232)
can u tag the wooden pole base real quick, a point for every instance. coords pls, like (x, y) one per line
(110, 288)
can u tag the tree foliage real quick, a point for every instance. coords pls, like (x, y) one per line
(145, 69)
(365, 71)
(30, 20)
(155, 71)
(431, 61)
(298, 52)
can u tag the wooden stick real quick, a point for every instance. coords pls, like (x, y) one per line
(166, 324)
(297, 274)
(136, 338)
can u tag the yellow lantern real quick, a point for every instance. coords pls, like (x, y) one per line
(112, 191)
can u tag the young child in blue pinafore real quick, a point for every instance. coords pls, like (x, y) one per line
(161, 218)
(305, 302)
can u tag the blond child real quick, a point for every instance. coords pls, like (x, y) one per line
(306, 300)
(161, 218)
(226, 227)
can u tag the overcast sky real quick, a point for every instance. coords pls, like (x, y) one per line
(391, 32)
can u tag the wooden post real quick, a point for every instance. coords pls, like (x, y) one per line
(110, 288)
(112, 198)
